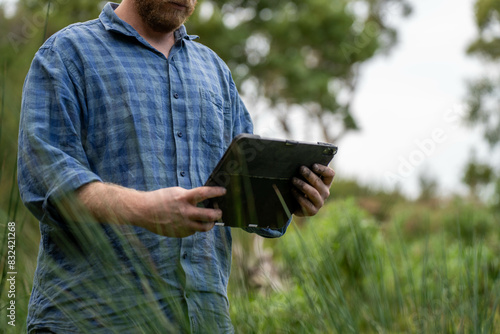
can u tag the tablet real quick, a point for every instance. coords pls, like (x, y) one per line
(257, 173)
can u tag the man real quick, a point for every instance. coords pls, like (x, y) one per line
(128, 115)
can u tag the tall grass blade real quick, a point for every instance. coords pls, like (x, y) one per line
(46, 22)
(13, 195)
(2, 105)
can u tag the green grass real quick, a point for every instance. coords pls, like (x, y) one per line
(345, 273)
(340, 272)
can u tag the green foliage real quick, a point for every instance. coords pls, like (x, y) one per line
(496, 197)
(347, 274)
(457, 220)
(470, 223)
(482, 100)
(476, 175)
(483, 108)
(427, 269)
(377, 202)
(483, 105)
(26, 230)
(428, 187)
(485, 11)
(487, 15)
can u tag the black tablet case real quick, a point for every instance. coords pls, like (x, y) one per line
(257, 173)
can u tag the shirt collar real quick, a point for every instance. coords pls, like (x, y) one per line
(112, 22)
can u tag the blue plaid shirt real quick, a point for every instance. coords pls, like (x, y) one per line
(101, 104)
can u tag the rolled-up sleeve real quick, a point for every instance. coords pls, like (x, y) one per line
(51, 159)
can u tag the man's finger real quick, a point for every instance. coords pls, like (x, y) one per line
(312, 193)
(314, 180)
(306, 207)
(204, 214)
(200, 226)
(327, 174)
(197, 195)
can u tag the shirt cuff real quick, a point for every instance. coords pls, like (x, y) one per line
(66, 186)
(267, 232)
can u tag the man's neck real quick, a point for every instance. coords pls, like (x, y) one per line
(163, 42)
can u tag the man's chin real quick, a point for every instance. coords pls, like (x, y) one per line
(165, 28)
(162, 17)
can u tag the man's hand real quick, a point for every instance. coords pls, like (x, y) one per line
(170, 212)
(173, 212)
(312, 194)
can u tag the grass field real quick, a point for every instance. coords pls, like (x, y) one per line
(427, 269)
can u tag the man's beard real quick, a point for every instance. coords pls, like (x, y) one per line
(162, 16)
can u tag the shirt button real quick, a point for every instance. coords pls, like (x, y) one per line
(185, 255)
(183, 174)
(176, 95)
(179, 134)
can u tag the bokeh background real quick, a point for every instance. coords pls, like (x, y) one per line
(408, 90)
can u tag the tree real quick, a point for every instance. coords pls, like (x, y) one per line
(298, 52)
(477, 175)
(483, 93)
(428, 187)
(482, 100)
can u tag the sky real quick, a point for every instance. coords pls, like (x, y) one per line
(9, 5)
(409, 104)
